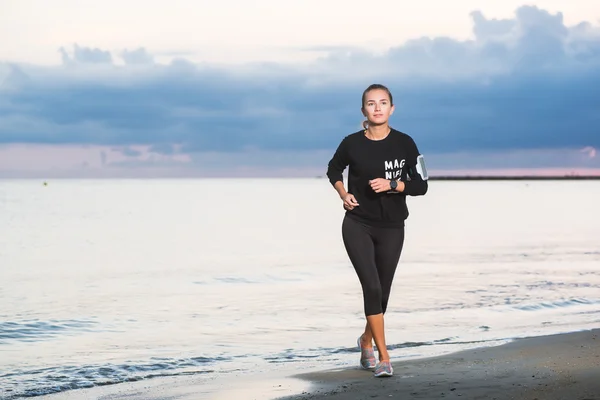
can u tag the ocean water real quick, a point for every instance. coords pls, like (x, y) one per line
(111, 281)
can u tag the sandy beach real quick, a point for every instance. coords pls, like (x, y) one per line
(565, 367)
(555, 367)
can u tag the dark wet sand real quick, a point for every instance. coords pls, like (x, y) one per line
(565, 367)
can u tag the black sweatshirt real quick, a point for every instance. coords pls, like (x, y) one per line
(394, 157)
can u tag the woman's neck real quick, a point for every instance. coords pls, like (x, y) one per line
(377, 132)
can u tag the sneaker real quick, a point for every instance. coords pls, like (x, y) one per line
(384, 368)
(367, 356)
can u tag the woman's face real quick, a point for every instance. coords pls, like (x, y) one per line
(377, 107)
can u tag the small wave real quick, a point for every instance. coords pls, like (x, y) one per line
(262, 279)
(34, 330)
(44, 381)
(561, 285)
(228, 279)
(555, 304)
(291, 355)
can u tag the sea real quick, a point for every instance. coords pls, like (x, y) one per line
(105, 282)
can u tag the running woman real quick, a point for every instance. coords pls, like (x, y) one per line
(384, 166)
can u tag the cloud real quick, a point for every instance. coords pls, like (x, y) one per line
(85, 55)
(519, 84)
(137, 56)
(589, 151)
(49, 161)
(532, 158)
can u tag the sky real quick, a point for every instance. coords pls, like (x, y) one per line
(269, 88)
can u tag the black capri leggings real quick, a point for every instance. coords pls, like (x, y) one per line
(374, 252)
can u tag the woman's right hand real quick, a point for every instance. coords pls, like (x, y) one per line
(349, 201)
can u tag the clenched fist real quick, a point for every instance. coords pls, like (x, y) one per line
(350, 202)
(380, 185)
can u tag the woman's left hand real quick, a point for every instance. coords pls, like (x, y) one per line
(380, 185)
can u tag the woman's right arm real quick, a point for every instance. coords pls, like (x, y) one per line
(339, 187)
(335, 169)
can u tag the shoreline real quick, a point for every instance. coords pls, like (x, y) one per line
(549, 367)
(553, 367)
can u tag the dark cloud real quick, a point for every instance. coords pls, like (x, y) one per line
(522, 83)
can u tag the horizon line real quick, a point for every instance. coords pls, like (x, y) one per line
(431, 178)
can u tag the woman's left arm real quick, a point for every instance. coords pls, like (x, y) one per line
(415, 171)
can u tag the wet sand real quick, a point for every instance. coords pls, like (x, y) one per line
(556, 367)
(565, 367)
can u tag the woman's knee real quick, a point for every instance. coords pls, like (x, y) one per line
(373, 309)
